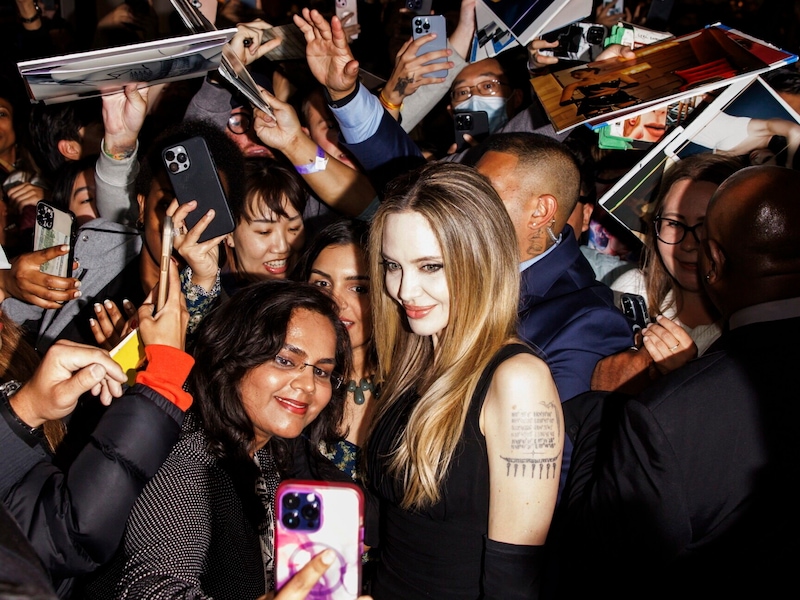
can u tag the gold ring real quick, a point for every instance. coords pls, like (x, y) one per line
(673, 348)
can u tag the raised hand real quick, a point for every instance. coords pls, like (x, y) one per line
(328, 54)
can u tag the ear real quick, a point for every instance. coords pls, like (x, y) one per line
(69, 149)
(306, 131)
(544, 212)
(450, 110)
(588, 209)
(716, 262)
(229, 241)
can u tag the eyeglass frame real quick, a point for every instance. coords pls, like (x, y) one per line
(684, 228)
(470, 87)
(243, 114)
(335, 379)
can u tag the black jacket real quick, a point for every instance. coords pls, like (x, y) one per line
(76, 519)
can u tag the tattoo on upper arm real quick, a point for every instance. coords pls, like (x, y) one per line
(402, 84)
(536, 443)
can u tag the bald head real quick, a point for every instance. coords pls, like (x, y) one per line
(753, 238)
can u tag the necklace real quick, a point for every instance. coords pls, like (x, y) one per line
(365, 385)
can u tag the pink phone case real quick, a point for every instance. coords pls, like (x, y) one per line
(313, 516)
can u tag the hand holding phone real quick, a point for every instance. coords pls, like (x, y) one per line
(314, 516)
(194, 176)
(54, 227)
(474, 123)
(422, 25)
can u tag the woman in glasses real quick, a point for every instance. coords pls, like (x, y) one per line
(267, 366)
(686, 322)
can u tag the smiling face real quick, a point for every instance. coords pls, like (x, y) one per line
(686, 202)
(268, 246)
(342, 272)
(281, 400)
(414, 272)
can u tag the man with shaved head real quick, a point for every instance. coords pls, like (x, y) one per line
(688, 493)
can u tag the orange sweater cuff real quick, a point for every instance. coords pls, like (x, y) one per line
(166, 372)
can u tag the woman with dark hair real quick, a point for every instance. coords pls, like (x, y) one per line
(269, 234)
(74, 189)
(267, 370)
(336, 262)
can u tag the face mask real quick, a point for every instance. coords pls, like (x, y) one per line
(493, 106)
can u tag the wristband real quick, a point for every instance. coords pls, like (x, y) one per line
(35, 17)
(118, 155)
(388, 105)
(320, 164)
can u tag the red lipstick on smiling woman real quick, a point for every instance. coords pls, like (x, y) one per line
(417, 312)
(293, 406)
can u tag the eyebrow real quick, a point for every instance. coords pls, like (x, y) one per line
(303, 354)
(88, 189)
(421, 259)
(350, 278)
(268, 220)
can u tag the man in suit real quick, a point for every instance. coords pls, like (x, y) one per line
(684, 491)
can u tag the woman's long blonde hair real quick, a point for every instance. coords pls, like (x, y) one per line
(480, 256)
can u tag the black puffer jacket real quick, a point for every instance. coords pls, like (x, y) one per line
(75, 519)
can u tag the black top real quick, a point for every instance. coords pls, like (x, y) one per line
(436, 552)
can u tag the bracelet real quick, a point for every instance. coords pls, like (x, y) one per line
(35, 17)
(118, 155)
(388, 105)
(320, 164)
(8, 389)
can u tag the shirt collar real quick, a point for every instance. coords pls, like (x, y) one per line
(767, 311)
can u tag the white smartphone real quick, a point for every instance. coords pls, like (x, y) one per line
(345, 8)
(54, 227)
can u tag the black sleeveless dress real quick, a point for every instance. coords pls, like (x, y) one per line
(436, 552)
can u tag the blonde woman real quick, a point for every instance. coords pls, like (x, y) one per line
(465, 451)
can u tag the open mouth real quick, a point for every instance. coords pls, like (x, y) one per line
(293, 406)
(276, 267)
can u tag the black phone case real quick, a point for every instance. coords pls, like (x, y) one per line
(194, 176)
(475, 123)
(419, 7)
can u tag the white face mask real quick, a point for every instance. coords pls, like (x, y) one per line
(493, 106)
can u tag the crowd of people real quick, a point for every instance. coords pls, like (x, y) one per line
(389, 309)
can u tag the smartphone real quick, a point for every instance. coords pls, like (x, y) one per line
(166, 254)
(619, 6)
(423, 25)
(475, 123)
(313, 516)
(194, 176)
(419, 7)
(345, 8)
(54, 227)
(634, 307)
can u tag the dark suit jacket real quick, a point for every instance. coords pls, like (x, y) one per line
(570, 316)
(689, 491)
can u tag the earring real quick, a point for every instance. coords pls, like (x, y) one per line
(140, 224)
(708, 276)
(549, 230)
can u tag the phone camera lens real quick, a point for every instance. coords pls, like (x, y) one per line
(173, 167)
(310, 512)
(417, 22)
(291, 501)
(170, 155)
(419, 29)
(181, 157)
(291, 520)
(426, 26)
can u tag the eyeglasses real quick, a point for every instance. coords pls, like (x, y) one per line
(672, 232)
(489, 87)
(321, 376)
(240, 123)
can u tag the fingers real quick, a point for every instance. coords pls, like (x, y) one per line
(74, 356)
(300, 586)
(107, 325)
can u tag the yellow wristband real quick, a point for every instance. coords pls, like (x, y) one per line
(388, 105)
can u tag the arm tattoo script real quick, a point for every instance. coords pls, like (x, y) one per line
(535, 443)
(402, 84)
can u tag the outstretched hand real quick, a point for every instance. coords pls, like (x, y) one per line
(328, 55)
(247, 41)
(123, 116)
(67, 371)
